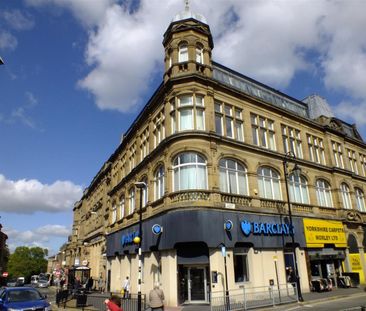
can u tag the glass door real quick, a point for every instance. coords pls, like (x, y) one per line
(197, 284)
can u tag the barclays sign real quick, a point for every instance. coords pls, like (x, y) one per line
(127, 239)
(265, 228)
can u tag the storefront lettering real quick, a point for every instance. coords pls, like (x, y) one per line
(128, 238)
(265, 228)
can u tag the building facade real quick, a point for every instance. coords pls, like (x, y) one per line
(210, 147)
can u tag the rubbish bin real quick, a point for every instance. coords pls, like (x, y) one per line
(81, 298)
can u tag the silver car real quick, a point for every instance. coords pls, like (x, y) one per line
(43, 283)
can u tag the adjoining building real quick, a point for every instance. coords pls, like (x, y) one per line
(210, 146)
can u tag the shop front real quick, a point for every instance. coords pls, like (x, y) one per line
(186, 253)
(326, 251)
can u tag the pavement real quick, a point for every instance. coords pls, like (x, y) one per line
(313, 297)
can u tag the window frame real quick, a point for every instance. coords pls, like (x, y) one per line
(226, 170)
(264, 179)
(346, 196)
(323, 192)
(178, 168)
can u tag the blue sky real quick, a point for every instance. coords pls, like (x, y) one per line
(77, 72)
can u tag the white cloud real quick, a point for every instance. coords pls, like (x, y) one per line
(28, 196)
(347, 110)
(270, 41)
(18, 20)
(41, 236)
(7, 41)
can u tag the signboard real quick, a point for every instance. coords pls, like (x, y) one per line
(319, 232)
(356, 266)
(5, 274)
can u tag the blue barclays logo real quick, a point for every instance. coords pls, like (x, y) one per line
(265, 228)
(128, 238)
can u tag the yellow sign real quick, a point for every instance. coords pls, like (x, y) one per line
(319, 232)
(356, 266)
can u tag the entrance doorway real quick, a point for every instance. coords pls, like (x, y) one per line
(193, 284)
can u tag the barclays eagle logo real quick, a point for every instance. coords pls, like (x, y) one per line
(246, 227)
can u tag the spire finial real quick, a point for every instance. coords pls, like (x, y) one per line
(187, 5)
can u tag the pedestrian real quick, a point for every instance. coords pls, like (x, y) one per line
(101, 284)
(113, 304)
(126, 287)
(156, 298)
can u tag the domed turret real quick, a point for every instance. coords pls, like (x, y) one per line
(188, 45)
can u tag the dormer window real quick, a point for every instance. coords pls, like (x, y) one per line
(199, 54)
(183, 53)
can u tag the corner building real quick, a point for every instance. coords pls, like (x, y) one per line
(210, 146)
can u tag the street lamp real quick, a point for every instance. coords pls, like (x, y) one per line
(290, 157)
(140, 185)
(227, 300)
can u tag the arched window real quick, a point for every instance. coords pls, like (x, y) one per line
(199, 54)
(360, 200)
(233, 177)
(183, 53)
(145, 193)
(298, 189)
(131, 201)
(269, 183)
(323, 193)
(159, 182)
(121, 207)
(114, 213)
(189, 172)
(346, 197)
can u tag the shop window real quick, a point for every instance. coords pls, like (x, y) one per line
(269, 183)
(241, 269)
(189, 171)
(346, 197)
(159, 182)
(298, 189)
(323, 193)
(233, 177)
(360, 200)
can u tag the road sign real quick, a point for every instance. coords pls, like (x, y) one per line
(5, 274)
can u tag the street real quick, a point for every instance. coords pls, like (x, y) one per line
(338, 304)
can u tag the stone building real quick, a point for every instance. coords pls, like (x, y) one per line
(210, 146)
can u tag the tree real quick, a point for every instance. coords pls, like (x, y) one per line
(27, 261)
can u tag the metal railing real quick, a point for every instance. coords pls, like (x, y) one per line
(95, 301)
(248, 298)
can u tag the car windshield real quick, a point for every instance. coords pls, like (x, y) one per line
(23, 295)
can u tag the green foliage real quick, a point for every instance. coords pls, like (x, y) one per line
(27, 261)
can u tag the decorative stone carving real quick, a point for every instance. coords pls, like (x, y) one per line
(353, 216)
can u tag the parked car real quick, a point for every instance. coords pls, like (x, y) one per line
(20, 281)
(43, 283)
(11, 283)
(22, 298)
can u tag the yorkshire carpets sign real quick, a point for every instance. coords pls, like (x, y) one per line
(265, 228)
(319, 232)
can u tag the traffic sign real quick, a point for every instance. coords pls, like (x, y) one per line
(5, 274)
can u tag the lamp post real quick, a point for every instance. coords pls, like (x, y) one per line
(227, 300)
(140, 185)
(290, 157)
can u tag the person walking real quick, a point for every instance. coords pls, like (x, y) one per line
(101, 284)
(126, 288)
(156, 298)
